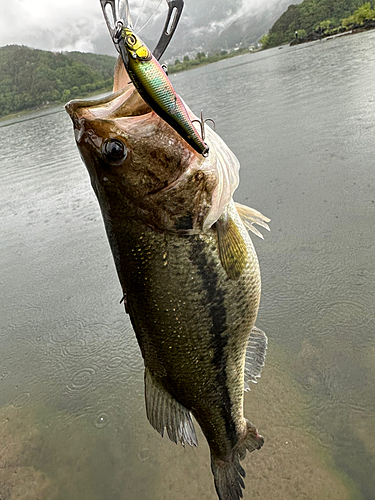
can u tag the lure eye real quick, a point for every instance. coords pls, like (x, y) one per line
(115, 150)
(131, 40)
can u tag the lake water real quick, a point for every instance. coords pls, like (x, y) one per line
(73, 426)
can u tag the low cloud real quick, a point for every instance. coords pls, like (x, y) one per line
(79, 24)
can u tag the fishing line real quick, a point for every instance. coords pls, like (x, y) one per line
(152, 15)
(139, 14)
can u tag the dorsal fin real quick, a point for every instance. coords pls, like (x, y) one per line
(250, 216)
(164, 412)
(232, 247)
(255, 356)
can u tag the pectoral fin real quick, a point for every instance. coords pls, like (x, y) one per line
(255, 356)
(164, 412)
(232, 248)
(250, 216)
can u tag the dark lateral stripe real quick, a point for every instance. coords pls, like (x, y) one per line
(214, 300)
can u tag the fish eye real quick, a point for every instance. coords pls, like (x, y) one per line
(115, 150)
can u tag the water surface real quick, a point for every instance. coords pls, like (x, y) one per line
(302, 122)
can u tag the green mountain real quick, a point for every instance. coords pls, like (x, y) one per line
(31, 78)
(307, 16)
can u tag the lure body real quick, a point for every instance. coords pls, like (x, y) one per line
(156, 89)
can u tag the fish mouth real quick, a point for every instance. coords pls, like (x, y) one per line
(122, 104)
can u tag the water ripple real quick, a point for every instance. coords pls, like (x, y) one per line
(101, 420)
(342, 311)
(144, 455)
(66, 331)
(21, 400)
(82, 379)
(115, 362)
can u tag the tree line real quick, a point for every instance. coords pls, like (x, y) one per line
(30, 78)
(313, 15)
(201, 58)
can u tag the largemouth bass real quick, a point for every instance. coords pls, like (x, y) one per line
(187, 267)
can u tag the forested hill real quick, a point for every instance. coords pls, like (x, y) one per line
(30, 78)
(309, 16)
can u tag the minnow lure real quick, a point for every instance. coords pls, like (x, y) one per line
(151, 81)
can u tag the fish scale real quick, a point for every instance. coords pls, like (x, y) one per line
(182, 347)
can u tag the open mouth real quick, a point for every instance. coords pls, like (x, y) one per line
(124, 103)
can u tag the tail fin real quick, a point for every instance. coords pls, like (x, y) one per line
(228, 473)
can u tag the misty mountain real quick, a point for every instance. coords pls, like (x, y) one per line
(223, 24)
(207, 25)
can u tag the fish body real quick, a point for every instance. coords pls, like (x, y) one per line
(188, 269)
(157, 90)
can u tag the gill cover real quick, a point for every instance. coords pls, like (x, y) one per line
(226, 166)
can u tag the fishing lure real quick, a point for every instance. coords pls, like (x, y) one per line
(150, 79)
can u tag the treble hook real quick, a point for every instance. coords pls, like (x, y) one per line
(202, 124)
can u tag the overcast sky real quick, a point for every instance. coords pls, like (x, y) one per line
(53, 25)
(79, 24)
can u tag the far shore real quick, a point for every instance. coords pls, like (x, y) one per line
(26, 112)
(313, 37)
(204, 62)
(172, 68)
(54, 104)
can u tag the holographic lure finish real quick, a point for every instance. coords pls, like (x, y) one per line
(156, 89)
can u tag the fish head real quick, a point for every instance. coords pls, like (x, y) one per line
(141, 169)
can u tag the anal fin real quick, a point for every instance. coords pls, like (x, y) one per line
(255, 356)
(164, 412)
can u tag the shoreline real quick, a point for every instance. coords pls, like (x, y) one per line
(313, 37)
(25, 112)
(188, 65)
(172, 70)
